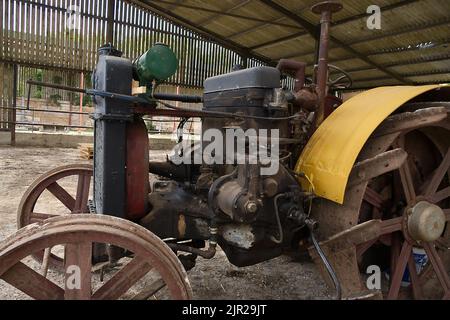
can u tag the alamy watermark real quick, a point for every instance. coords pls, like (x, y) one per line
(373, 281)
(73, 21)
(374, 20)
(73, 277)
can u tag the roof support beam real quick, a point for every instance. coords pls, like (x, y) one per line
(208, 20)
(337, 23)
(312, 30)
(226, 13)
(279, 40)
(409, 62)
(407, 75)
(150, 5)
(420, 60)
(394, 33)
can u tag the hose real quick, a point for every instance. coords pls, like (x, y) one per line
(277, 215)
(207, 254)
(337, 286)
(228, 114)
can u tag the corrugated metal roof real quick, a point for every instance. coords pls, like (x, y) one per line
(412, 45)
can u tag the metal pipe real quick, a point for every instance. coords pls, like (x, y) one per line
(322, 69)
(29, 96)
(45, 124)
(207, 254)
(158, 96)
(46, 110)
(297, 67)
(55, 86)
(325, 9)
(143, 101)
(178, 97)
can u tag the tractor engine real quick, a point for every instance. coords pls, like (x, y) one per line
(241, 192)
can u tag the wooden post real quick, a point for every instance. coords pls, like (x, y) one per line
(81, 99)
(244, 59)
(14, 104)
(110, 22)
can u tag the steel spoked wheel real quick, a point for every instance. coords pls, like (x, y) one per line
(146, 253)
(396, 211)
(61, 191)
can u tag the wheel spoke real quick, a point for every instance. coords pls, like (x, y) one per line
(438, 175)
(78, 264)
(36, 217)
(447, 214)
(124, 279)
(407, 183)
(62, 195)
(149, 291)
(415, 281)
(81, 200)
(395, 251)
(363, 247)
(405, 174)
(438, 267)
(44, 266)
(32, 283)
(391, 225)
(441, 195)
(399, 270)
(374, 198)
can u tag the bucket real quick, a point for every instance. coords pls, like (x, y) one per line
(420, 259)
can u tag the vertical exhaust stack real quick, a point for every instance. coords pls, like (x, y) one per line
(325, 9)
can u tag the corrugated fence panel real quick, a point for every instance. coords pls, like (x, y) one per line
(6, 94)
(66, 34)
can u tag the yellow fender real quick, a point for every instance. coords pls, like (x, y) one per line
(331, 152)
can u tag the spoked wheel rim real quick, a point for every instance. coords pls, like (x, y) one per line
(378, 222)
(49, 181)
(78, 233)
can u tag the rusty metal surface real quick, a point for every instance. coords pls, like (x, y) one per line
(367, 221)
(325, 9)
(137, 168)
(79, 232)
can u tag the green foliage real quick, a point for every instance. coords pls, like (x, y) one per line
(39, 76)
(150, 126)
(54, 100)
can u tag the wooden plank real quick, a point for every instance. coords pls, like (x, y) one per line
(123, 279)
(32, 283)
(78, 255)
(2, 30)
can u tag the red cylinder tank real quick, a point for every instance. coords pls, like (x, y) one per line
(137, 170)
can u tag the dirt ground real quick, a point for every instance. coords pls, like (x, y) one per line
(280, 278)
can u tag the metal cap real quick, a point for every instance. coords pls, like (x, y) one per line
(332, 6)
(426, 222)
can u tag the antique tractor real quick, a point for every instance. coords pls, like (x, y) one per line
(357, 184)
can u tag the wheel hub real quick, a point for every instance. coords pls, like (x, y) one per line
(425, 222)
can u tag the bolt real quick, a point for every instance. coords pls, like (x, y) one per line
(251, 207)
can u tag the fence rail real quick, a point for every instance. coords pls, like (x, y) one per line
(67, 33)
